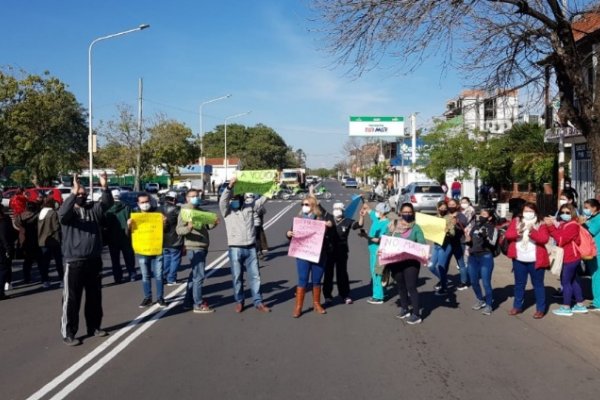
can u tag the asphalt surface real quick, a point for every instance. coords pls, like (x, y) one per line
(358, 351)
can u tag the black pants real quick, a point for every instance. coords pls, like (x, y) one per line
(337, 262)
(115, 250)
(47, 253)
(406, 275)
(4, 269)
(31, 255)
(81, 275)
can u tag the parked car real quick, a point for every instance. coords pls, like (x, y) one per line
(351, 183)
(33, 194)
(424, 196)
(344, 179)
(152, 187)
(126, 188)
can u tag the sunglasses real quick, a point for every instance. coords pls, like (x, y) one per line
(565, 213)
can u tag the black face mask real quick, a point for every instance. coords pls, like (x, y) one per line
(80, 201)
(443, 212)
(451, 209)
(482, 220)
(408, 217)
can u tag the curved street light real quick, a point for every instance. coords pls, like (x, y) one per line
(90, 123)
(202, 133)
(226, 119)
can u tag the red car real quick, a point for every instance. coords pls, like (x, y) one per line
(32, 194)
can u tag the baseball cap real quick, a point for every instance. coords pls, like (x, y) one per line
(116, 193)
(382, 208)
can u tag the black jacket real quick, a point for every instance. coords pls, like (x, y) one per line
(483, 238)
(339, 235)
(170, 237)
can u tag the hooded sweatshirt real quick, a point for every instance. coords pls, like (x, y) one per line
(239, 223)
(48, 228)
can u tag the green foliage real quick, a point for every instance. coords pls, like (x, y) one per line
(323, 172)
(42, 126)
(171, 146)
(259, 147)
(449, 147)
(378, 171)
(20, 177)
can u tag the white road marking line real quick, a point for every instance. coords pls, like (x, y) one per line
(214, 266)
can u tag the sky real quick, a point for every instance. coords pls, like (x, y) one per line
(265, 53)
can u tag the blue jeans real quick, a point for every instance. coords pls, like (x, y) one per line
(438, 265)
(151, 265)
(305, 269)
(480, 268)
(521, 270)
(196, 278)
(458, 251)
(245, 257)
(171, 261)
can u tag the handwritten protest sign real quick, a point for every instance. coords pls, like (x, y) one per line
(147, 233)
(263, 182)
(434, 228)
(395, 249)
(198, 218)
(308, 239)
(353, 206)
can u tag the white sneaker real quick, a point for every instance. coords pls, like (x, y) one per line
(8, 286)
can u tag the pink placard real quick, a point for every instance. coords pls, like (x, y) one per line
(395, 249)
(308, 239)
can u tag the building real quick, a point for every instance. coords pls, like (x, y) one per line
(487, 112)
(220, 173)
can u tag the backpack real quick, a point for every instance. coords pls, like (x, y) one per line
(501, 242)
(587, 246)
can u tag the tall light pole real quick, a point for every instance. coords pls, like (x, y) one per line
(90, 123)
(413, 134)
(202, 133)
(226, 119)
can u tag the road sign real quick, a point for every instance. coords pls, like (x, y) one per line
(376, 126)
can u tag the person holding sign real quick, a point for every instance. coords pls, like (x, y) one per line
(379, 227)
(406, 272)
(82, 251)
(239, 213)
(196, 241)
(481, 236)
(150, 259)
(314, 267)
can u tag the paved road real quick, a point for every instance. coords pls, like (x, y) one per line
(357, 351)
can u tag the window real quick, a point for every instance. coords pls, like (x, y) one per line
(489, 109)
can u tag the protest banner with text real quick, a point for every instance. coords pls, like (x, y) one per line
(308, 239)
(147, 233)
(395, 249)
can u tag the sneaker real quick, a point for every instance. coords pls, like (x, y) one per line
(441, 292)
(404, 313)
(374, 301)
(348, 300)
(46, 285)
(438, 286)
(132, 278)
(71, 341)
(186, 307)
(413, 319)
(100, 333)
(592, 307)
(161, 302)
(61, 285)
(563, 311)
(462, 286)
(7, 286)
(171, 283)
(579, 309)
(203, 308)
(262, 308)
(147, 302)
(328, 300)
(479, 305)
(487, 310)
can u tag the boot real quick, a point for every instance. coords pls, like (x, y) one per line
(300, 291)
(317, 300)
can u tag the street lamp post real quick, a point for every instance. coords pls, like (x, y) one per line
(202, 133)
(226, 119)
(90, 123)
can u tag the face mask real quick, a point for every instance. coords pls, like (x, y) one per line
(443, 212)
(482, 219)
(408, 217)
(587, 212)
(195, 201)
(306, 209)
(528, 215)
(451, 209)
(80, 201)
(235, 204)
(562, 202)
(338, 213)
(567, 185)
(249, 201)
(145, 206)
(464, 205)
(565, 217)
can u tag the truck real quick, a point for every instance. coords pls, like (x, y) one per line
(293, 177)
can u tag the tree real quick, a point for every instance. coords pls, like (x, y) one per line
(124, 131)
(504, 44)
(301, 158)
(171, 145)
(42, 126)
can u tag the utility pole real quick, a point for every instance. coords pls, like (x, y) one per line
(138, 158)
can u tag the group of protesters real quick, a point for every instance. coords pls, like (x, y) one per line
(75, 234)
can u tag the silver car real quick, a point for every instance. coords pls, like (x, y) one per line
(424, 196)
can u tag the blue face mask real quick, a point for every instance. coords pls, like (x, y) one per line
(587, 212)
(195, 201)
(235, 204)
(565, 217)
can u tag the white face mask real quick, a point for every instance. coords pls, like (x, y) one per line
(562, 202)
(305, 209)
(338, 213)
(464, 205)
(528, 215)
(145, 206)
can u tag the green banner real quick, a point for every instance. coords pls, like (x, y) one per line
(198, 218)
(376, 119)
(263, 182)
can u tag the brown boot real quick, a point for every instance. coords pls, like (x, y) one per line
(317, 300)
(300, 291)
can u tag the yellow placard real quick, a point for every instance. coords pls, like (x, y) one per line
(434, 228)
(147, 233)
